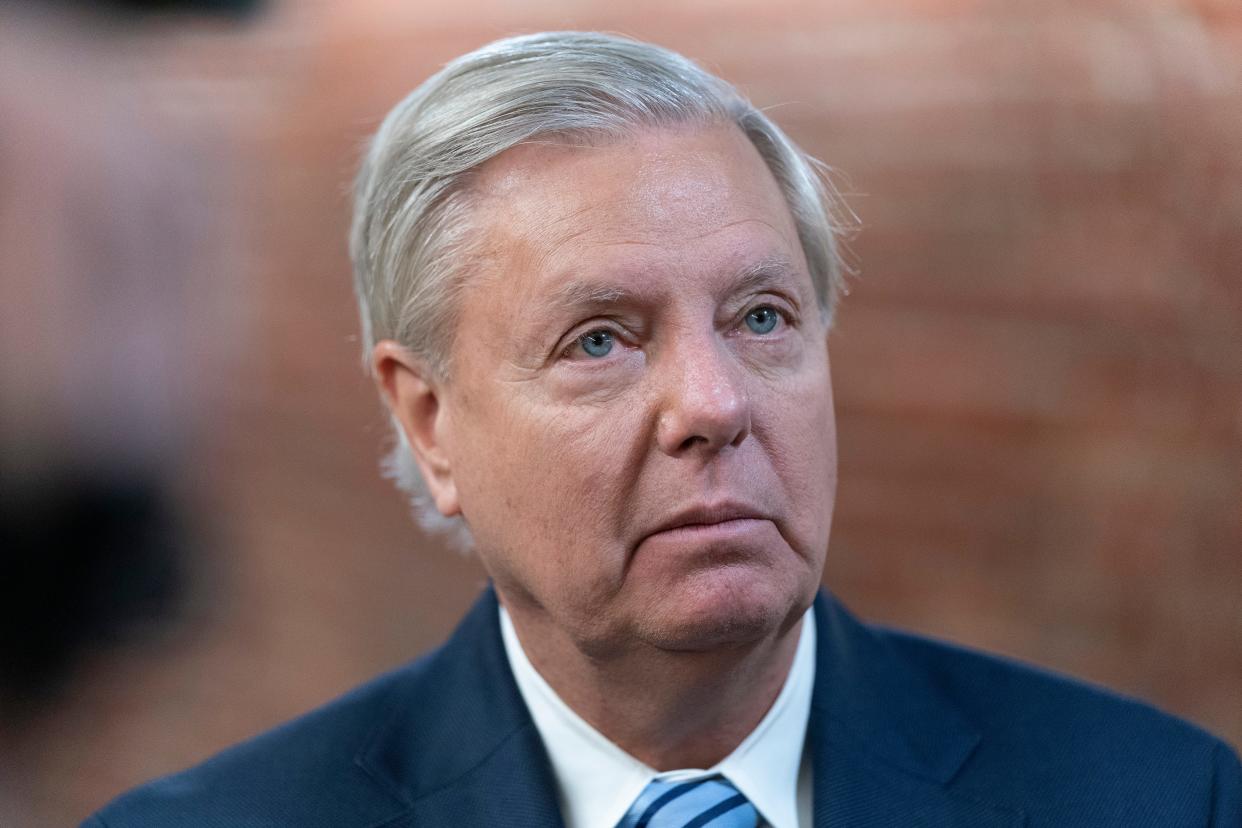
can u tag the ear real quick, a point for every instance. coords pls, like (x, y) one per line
(414, 399)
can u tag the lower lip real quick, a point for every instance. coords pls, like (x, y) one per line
(710, 534)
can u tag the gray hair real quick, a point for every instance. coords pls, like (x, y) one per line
(411, 240)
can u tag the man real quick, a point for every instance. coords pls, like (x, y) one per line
(596, 287)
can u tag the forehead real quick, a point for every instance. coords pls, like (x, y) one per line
(652, 202)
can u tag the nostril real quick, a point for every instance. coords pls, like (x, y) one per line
(691, 441)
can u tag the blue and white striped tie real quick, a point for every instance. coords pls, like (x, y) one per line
(710, 801)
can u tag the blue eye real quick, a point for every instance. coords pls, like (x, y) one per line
(596, 343)
(762, 320)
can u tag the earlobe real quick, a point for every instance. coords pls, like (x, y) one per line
(414, 399)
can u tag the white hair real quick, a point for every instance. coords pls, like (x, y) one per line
(411, 240)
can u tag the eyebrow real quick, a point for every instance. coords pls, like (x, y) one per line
(576, 293)
(767, 272)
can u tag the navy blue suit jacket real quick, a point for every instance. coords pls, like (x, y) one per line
(903, 732)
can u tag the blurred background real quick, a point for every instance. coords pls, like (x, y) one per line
(1038, 370)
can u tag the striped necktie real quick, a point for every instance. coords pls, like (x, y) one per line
(710, 802)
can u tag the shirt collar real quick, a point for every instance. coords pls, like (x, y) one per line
(597, 781)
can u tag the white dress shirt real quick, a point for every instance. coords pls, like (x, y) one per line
(597, 781)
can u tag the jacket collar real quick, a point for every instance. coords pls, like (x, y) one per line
(459, 746)
(885, 742)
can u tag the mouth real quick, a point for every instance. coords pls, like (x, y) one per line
(709, 538)
(711, 518)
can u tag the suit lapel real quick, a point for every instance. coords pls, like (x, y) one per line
(512, 786)
(863, 794)
(885, 744)
(459, 746)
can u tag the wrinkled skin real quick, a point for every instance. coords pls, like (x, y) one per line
(640, 337)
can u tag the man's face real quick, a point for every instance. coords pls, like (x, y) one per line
(639, 419)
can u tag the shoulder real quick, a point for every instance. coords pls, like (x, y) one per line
(1029, 705)
(368, 758)
(305, 772)
(1066, 746)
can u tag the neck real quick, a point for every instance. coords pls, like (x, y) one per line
(668, 709)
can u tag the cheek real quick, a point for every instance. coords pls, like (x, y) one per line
(547, 482)
(801, 436)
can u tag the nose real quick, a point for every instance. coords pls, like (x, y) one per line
(705, 405)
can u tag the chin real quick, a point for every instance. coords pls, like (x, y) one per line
(723, 608)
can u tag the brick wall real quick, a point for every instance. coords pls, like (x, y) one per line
(1038, 369)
